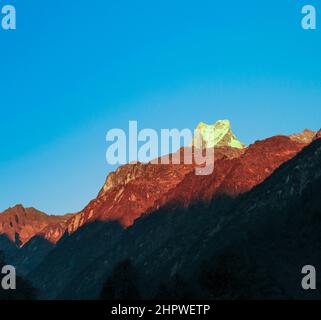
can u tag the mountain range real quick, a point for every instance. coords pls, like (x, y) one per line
(257, 211)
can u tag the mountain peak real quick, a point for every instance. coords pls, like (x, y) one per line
(25, 222)
(219, 134)
(305, 136)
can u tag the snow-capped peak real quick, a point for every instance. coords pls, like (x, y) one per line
(218, 134)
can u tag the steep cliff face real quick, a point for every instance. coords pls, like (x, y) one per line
(233, 176)
(259, 162)
(21, 224)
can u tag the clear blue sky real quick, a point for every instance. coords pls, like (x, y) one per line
(75, 69)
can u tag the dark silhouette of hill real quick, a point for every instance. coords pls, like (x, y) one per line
(8, 247)
(31, 254)
(24, 290)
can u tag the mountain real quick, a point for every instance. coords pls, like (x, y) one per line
(168, 221)
(137, 189)
(218, 135)
(306, 136)
(234, 176)
(21, 224)
(256, 242)
(134, 190)
(128, 193)
(131, 191)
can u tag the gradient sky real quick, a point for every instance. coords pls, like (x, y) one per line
(75, 69)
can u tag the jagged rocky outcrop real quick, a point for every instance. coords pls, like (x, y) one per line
(21, 224)
(306, 136)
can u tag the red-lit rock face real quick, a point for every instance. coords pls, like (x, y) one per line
(305, 137)
(234, 176)
(138, 189)
(131, 191)
(127, 194)
(26, 222)
(259, 162)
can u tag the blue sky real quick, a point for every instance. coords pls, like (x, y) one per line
(75, 69)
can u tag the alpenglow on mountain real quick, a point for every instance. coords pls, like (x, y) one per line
(218, 135)
(134, 190)
(156, 215)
